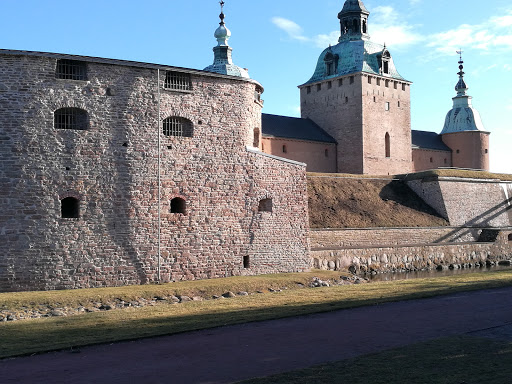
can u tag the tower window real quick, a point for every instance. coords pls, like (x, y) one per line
(374, 99)
(387, 83)
(399, 104)
(486, 151)
(369, 80)
(285, 150)
(458, 151)
(329, 84)
(71, 70)
(346, 99)
(403, 87)
(178, 81)
(70, 208)
(387, 144)
(431, 160)
(178, 126)
(510, 237)
(246, 262)
(351, 79)
(308, 89)
(326, 153)
(70, 118)
(340, 82)
(265, 205)
(331, 63)
(178, 205)
(364, 26)
(395, 84)
(378, 81)
(445, 161)
(386, 106)
(256, 141)
(319, 87)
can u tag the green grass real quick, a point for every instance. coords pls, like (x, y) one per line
(32, 336)
(454, 360)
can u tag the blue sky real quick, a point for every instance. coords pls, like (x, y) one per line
(280, 41)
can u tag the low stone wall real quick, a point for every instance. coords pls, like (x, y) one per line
(369, 237)
(413, 257)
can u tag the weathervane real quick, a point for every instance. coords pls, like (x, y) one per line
(221, 12)
(460, 52)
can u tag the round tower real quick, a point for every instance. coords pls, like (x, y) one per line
(464, 131)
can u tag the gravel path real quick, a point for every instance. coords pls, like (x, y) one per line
(228, 354)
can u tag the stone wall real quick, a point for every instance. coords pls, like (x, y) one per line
(372, 237)
(467, 202)
(414, 257)
(112, 169)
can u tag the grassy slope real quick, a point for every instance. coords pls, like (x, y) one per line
(30, 336)
(336, 202)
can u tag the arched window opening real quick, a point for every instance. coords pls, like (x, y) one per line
(355, 26)
(256, 138)
(265, 205)
(70, 208)
(387, 141)
(178, 126)
(71, 118)
(364, 26)
(331, 63)
(178, 205)
(384, 59)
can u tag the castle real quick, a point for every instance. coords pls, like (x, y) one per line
(117, 172)
(356, 114)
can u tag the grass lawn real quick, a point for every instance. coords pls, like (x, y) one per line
(39, 335)
(454, 360)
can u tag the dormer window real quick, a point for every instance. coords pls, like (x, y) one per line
(384, 60)
(331, 64)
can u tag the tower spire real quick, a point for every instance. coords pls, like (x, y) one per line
(223, 62)
(461, 86)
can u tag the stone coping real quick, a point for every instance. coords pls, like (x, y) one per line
(401, 246)
(405, 228)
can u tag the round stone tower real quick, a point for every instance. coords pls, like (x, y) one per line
(464, 132)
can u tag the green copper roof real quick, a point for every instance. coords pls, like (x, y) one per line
(355, 56)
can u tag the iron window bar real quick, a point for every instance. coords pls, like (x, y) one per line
(177, 80)
(178, 126)
(70, 118)
(71, 70)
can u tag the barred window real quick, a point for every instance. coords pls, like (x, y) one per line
(71, 70)
(178, 80)
(71, 118)
(178, 126)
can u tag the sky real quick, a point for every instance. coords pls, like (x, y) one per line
(279, 41)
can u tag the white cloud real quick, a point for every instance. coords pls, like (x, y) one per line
(291, 28)
(492, 34)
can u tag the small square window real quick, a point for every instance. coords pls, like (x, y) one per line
(458, 150)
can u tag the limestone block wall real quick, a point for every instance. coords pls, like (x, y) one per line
(112, 168)
(425, 159)
(374, 237)
(468, 202)
(319, 157)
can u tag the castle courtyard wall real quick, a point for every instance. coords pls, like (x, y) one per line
(425, 159)
(112, 169)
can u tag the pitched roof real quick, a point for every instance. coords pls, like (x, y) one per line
(293, 128)
(428, 140)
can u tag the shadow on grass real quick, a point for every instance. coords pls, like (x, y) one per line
(33, 336)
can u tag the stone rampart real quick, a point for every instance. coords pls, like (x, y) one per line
(414, 257)
(467, 202)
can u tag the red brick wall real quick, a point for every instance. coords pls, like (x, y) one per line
(112, 169)
(319, 157)
(469, 149)
(424, 159)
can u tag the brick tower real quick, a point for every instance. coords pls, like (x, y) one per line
(463, 130)
(357, 95)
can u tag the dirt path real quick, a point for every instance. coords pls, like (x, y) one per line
(233, 353)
